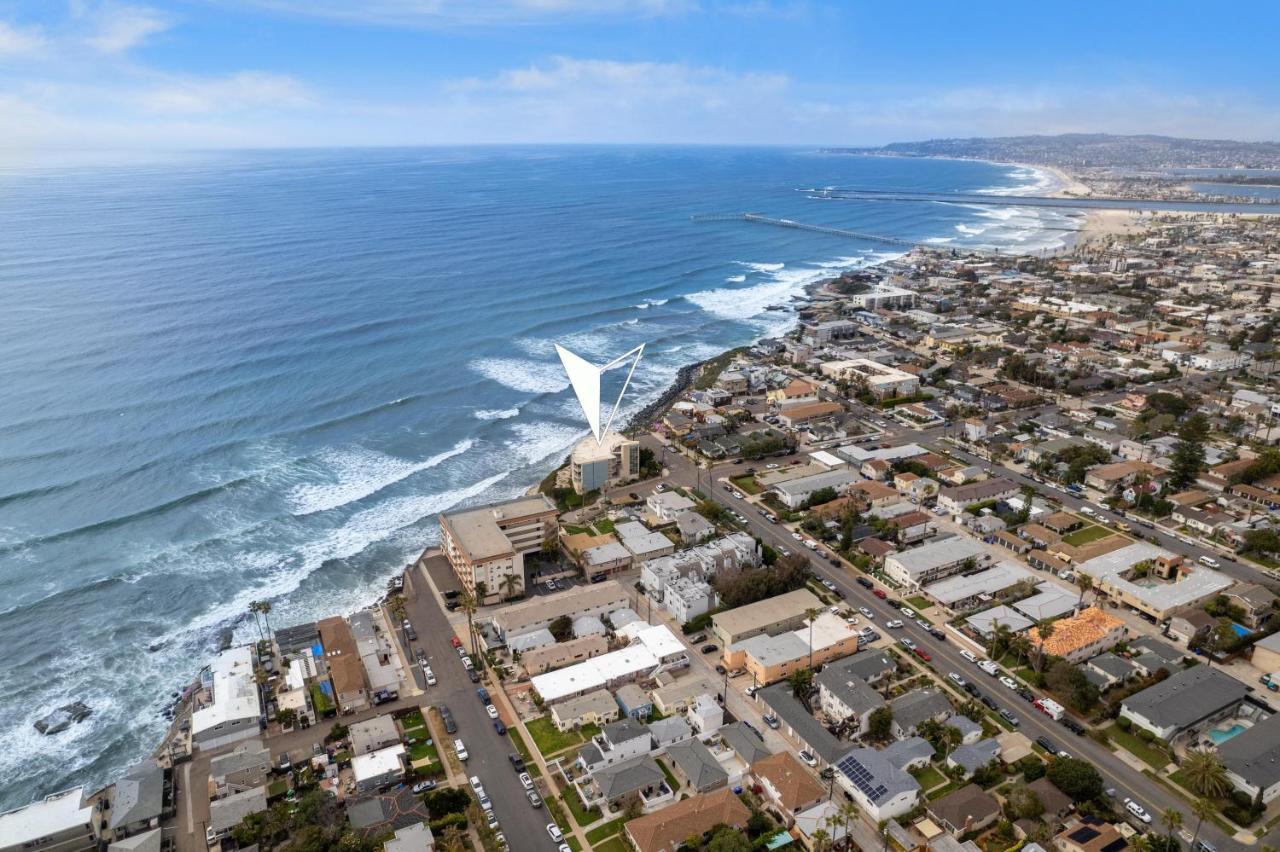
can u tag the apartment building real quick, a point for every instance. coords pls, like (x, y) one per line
(597, 465)
(487, 544)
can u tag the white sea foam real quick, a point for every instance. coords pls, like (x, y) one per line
(970, 230)
(761, 267)
(360, 473)
(652, 303)
(523, 375)
(939, 240)
(538, 441)
(736, 279)
(496, 413)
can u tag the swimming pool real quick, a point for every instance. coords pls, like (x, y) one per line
(1220, 736)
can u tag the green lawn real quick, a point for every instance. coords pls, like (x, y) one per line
(412, 719)
(323, 703)
(928, 777)
(600, 832)
(671, 779)
(746, 484)
(517, 740)
(1086, 534)
(942, 791)
(614, 844)
(919, 603)
(1152, 756)
(603, 526)
(581, 814)
(549, 739)
(423, 750)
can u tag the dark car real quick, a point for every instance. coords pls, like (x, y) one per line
(986, 699)
(382, 696)
(1026, 694)
(720, 669)
(483, 694)
(1047, 744)
(517, 762)
(411, 633)
(834, 561)
(865, 583)
(450, 726)
(970, 688)
(1009, 717)
(474, 675)
(708, 648)
(1073, 726)
(937, 634)
(499, 727)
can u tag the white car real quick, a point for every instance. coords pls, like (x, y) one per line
(812, 545)
(1137, 810)
(829, 585)
(797, 536)
(956, 679)
(866, 612)
(476, 785)
(554, 831)
(989, 667)
(808, 758)
(526, 781)
(491, 819)
(908, 611)
(968, 655)
(431, 676)
(1009, 682)
(851, 621)
(893, 625)
(467, 664)
(907, 643)
(461, 750)
(491, 710)
(772, 466)
(924, 624)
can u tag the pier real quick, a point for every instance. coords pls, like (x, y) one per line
(803, 226)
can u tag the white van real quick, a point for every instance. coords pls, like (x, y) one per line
(1210, 561)
(460, 749)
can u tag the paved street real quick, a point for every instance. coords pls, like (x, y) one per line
(946, 658)
(524, 826)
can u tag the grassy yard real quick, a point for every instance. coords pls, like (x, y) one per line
(322, 702)
(517, 740)
(1086, 534)
(614, 844)
(581, 814)
(746, 484)
(1155, 758)
(600, 832)
(551, 741)
(423, 751)
(928, 777)
(671, 779)
(919, 603)
(412, 719)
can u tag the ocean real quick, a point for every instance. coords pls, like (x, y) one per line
(260, 375)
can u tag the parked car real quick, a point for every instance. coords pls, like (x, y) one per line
(1009, 683)
(1073, 726)
(908, 611)
(937, 634)
(483, 695)
(491, 711)
(709, 648)
(424, 786)
(772, 721)
(893, 625)
(430, 676)
(1137, 810)
(473, 675)
(922, 654)
(986, 699)
(808, 758)
(880, 593)
(450, 726)
(455, 641)
(866, 612)
(499, 727)
(517, 762)
(554, 831)
(1010, 718)
(957, 680)
(865, 583)
(534, 799)
(526, 780)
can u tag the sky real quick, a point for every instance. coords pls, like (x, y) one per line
(100, 74)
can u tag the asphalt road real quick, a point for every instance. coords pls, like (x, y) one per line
(523, 825)
(946, 658)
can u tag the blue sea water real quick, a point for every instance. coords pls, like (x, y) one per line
(234, 376)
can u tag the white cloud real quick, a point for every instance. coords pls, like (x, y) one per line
(18, 41)
(117, 29)
(233, 93)
(435, 13)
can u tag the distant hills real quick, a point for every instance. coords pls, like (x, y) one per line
(1083, 150)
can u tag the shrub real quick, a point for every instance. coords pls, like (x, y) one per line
(1146, 736)
(1242, 798)
(1124, 723)
(1033, 771)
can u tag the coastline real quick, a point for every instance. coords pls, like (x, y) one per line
(687, 374)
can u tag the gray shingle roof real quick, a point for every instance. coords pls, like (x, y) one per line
(914, 707)
(850, 690)
(698, 764)
(1117, 667)
(974, 757)
(875, 775)
(616, 781)
(624, 730)
(868, 666)
(1186, 697)
(793, 714)
(1255, 754)
(138, 795)
(745, 742)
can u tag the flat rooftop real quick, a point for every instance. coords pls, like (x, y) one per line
(1197, 585)
(767, 612)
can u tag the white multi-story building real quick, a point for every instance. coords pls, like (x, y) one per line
(235, 708)
(597, 465)
(487, 544)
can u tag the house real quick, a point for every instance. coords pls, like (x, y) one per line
(968, 809)
(1188, 623)
(1051, 601)
(1090, 834)
(878, 781)
(411, 838)
(666, 506)
(617, 786)
(597, 707)
(652, 649)
(378, 769)
(954, 500)
(846, 697)
(771, 658)
(913, 708)
(967, 592)
(247, 766)
(60, 822)
(1191, 698)
(1108, 477)
(678, 696)
(745, 741)
(234, 709)
(671, 730)
(137, 801)
(788, 785)
(226, 813)
(555, 655)
(1081, 636)
(634, 701)
(695, 767)
(1266, 653)
(373, 734)
(667, 830)
(871, 666)
(618, 742)
(1057, 804)
(985, 623)
(798, 726)
(825, 817)
(796, 392)
(1111, 669)
(643, 542)
(694, 528)
(970, 758)
(1256, 600)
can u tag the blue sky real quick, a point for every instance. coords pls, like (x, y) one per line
(228, 73)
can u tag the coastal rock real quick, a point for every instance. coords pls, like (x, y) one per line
(62, 718)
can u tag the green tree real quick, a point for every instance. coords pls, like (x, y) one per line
(801, 682)
(1070, 684)
(1205, 773)
(728, 839)
(1188, 453)
(561, 628)
(880, 723)
(1172, 820)
(1045, 629)
(1077, 778)
(1201, 808)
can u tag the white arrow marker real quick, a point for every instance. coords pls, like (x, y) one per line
(585, 379)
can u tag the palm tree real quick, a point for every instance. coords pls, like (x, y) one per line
(811, 613)
(482, 592)
(468, 604)
(999, 636)
(821, 841)
(1085, 582)
(1201, 808)
(1020, 646)
(1172, 820)
(1046, 630)
(849, 814)
(264, 607)
(509, 585)
(1205, 774)
(254, 609)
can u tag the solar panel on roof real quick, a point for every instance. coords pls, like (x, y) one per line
(862, 778)
(1115, 845)
(1083, 835)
